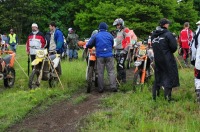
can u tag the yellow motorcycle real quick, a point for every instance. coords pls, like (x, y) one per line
(46, 67)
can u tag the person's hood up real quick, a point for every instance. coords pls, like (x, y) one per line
(159, 31)
(103, 26)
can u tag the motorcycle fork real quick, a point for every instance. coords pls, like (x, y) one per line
(132, 57)
(41, 72)
(144, 70)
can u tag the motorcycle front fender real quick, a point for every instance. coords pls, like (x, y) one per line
(36, 61)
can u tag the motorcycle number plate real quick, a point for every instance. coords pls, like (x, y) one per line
(40, 53)
(142, 52)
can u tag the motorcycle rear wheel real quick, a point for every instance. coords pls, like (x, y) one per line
(33, 79)
(89, 78)
(9, 81)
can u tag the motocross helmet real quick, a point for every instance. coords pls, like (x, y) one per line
(118, 21)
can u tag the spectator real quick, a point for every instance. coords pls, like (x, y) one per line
(72, 41)
(12, 40)
(103, 42)
(57, 40)
(36, 40)
(5, 38)
(195, 60)
(166, 72)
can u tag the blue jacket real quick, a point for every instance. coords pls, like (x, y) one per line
(103, 42)
(59, 40)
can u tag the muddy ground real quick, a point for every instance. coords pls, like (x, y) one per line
(65, 115)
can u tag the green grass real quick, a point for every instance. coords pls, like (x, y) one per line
(17, 102)
(80, 99)
(122, 111)
(137, 112)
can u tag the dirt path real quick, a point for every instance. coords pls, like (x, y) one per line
(63, 116)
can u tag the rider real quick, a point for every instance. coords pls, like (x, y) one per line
(36, 40)
(121, 48)
(185, 38)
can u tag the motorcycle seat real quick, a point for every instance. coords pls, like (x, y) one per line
(7, 59)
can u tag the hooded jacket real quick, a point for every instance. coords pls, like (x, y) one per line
(103, 42)
(166, 71)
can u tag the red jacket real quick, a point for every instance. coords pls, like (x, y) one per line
(185, 38)
(39, 36)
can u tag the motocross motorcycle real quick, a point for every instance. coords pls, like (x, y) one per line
(7, 71)
(131, 54)
(46, 67)
(143, 66)
(91, 71)
(85, 50)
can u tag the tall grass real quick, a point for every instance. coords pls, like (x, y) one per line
(137, 112)
(17, 102)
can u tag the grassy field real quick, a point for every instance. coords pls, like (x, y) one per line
(17, 102)
(122, 111)
(139, 113)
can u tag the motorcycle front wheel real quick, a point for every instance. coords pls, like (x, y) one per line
(33, 79)
(53, 82)
(137, 79)
(10, 78)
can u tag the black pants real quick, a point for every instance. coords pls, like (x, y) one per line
(156, 92)
(32, 59)
(121, 71)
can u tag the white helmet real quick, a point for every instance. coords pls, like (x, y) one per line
(198, 23)
(118, 21)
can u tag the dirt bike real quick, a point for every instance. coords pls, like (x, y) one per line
(91, 71)
(131, 55)
(143, 67)
(46, 67)
(7, 71)
(85, 50)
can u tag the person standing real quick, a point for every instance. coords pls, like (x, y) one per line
(5, 38)
(195, 60)
(121, 48)
(185, 38)
(103, 42)
(56, 40)
(12, 40)
(166, 72)
(72, 40)
(36, 40)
